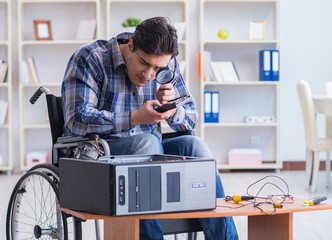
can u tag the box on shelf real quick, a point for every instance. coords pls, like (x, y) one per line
(34, 158)
(244, 156)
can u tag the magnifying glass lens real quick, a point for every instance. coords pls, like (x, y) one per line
(165, 76)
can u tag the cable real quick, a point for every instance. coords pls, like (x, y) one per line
(258, 201)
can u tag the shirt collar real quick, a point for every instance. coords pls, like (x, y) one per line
(117, 56)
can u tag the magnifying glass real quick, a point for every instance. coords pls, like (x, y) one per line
(167, 75)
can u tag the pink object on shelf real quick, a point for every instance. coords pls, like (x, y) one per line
(34, 158)
(243, 156)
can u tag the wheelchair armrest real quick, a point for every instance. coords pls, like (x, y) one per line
(69, 139)
(177, 134)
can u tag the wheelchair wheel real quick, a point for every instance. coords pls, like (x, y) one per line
(33, 211)
(74, 225)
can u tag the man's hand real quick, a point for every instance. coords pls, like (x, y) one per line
(146, 114)
(165, 93)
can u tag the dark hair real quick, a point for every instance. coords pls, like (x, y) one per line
(156, 36)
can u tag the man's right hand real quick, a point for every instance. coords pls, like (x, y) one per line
(147, 114)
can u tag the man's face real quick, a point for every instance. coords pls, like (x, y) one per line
(142, 68)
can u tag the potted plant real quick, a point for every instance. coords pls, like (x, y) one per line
(130, 23)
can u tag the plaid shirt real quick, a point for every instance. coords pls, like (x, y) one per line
(98, 97)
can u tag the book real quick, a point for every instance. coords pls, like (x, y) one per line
(228, 72)
(86, 30)
(33, 70)
(25, 75)
(216, 72)
(3, 111)
(204, 65)
(3, 71)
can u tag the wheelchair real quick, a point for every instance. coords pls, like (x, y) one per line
(34, 209)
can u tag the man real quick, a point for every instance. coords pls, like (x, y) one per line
(113, 87)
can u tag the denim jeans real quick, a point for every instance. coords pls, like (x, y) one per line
(187, 145)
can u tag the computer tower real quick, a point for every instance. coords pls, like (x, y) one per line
(138, 184)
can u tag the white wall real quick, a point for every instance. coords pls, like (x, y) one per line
(305, 54)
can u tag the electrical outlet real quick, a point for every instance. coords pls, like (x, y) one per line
(255, 140)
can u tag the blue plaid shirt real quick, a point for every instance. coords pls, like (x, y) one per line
(98, 96)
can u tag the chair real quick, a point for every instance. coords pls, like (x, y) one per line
(62, 146)
(314, 143)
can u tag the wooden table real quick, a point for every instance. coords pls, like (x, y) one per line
(260, 225)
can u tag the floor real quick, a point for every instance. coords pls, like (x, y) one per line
(307, 226)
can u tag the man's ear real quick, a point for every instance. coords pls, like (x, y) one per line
(130, 45)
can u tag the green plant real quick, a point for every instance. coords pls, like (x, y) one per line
(131, 22)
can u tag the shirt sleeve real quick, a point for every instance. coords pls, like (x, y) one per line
(185, 117)
(81, 91)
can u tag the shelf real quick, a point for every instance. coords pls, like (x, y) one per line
(44, 84)
(56, 42)
(4, 42)
(57, 1)
(241, 1)
(249, 42)
(244, 83)
(240, 125)
(36, 126)
(148, 1)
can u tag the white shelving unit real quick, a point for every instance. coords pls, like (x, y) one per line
(51, 58)
(176, 10)
(6, 159)
(249, 96)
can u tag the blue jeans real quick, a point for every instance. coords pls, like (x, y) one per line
(187, 145)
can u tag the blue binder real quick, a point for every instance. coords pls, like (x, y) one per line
(265, 65)
(211, 106)
(275, 60)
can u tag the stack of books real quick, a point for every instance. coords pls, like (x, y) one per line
(217, 71)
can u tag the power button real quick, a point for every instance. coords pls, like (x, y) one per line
(121, 187)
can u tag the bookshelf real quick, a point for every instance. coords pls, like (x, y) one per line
(6, 159)
(249, 96)
(51, 57)
(175, 10)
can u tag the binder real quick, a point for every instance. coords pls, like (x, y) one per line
(265, 65)
(275, 65)
(211, 107)
(215, 107)
(207, 106)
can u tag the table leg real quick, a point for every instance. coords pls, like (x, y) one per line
(275, 227)
(121, 228)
